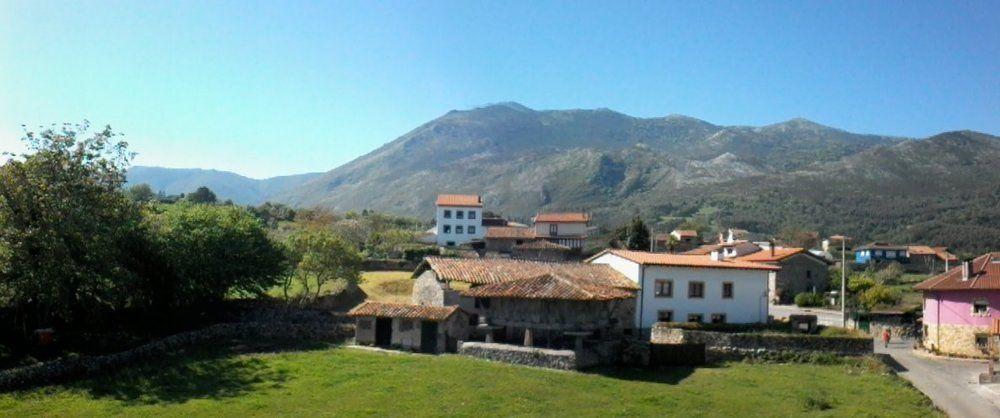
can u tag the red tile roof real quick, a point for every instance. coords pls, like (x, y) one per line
(766, 256)
(940, 252)
(466, 200)
(498, 270)
(400, 310)
(682, 260)
(550, 286)
(703, 249)
(509, 232)
(568, 217)
(985, 275)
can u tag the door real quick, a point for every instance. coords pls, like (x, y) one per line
(383, 332)
(428, 336)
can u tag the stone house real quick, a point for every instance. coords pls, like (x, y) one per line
(427, 329)
(544, 251)
(960, 305)
(933, 260)
(801, 271)
(502, 239)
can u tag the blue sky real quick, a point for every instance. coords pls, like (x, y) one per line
(270, 88)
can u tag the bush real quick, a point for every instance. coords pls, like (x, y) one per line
(879, 295)
(809, 299)
(417, 254)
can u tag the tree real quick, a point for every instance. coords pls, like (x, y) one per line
(141, 193)
(638, 235)
(215, 251)
(318, 257)
(69, 237)
(202, 195)
(879, 295)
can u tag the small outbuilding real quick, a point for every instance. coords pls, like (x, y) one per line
(427, 329)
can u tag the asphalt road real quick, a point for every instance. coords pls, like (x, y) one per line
(952, 384)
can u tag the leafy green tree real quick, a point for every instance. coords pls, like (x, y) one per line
(879, 295)
(68, 235)
(202, 195)
(141, 193)
(638, 235)
(215, 251)
(318, 257)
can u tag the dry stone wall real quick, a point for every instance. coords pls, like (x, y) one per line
(723, 345)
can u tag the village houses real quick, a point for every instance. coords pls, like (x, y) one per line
(962, 306)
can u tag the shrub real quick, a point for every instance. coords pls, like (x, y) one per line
(879, 295)
(809, 299)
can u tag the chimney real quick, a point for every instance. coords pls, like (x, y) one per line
(770, 245)
(715, 256)
(966, 270)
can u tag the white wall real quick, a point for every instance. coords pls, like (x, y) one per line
(750, 291)
(465, 223)
(565, 228)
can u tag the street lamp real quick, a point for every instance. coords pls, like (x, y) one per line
(843, 276)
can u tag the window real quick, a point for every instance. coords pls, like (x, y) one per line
(553, 229)
(405, 324)
(665, 316)
(472, 230)
(982, 341)
(472, 214)
(459, 214)
(446, 229)
(695, 317)
(450, 243)
(447, 214)
(696, 289)
(981, 307)
(459, 229)
(727, 290)
(718, 318)
(809, 274)
(365, 323)
(664, 288)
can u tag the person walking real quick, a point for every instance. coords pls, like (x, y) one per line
(886, 335)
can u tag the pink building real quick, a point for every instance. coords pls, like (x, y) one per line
(960, 305)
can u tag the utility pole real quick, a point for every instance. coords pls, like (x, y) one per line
(843, 278)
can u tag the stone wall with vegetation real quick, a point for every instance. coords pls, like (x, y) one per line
(736, 345)
(77, 367)
(526, 356)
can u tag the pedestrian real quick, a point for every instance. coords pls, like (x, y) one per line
(886, 335)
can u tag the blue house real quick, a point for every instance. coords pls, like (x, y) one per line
(879, 252)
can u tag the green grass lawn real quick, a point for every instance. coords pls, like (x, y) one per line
(330, 381)
(384, 286)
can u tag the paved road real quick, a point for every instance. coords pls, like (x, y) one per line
(951, 383)
(823, 316)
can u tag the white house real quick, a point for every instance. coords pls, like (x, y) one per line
(569, 229)
(693, 288)
(458, 219)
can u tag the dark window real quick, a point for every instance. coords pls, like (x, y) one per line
(982, 341)
(472, 214)
(664, 288)
(472, 230)
(459, 229)
(482, 303)
(447, 214)
(473, 320)
(809, 274)
(553, 229)
(695, 317)
(696, 289)
(665, 316)
(718, 318)
(981, 307)
(459, 214)
(727, 290)
(450, 243)
(447, 229)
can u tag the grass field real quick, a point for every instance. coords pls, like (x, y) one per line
(385, 286)
(330, 381)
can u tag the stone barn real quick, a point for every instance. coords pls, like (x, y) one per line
(556, 309)
(427, 329)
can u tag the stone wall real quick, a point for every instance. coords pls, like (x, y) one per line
(526, 356)
(86, 366)
(722, 345)
(954, 340)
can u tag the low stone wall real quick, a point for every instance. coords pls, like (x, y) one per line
(724, 346)
(85, 366)
(527, 356)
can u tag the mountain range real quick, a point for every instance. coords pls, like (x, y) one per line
(942, 190)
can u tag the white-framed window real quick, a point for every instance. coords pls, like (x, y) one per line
(727, 290)
(696, 317)
(981, 307)
(447, 214)
(665, 315)
(472, 229)
(472, 214)
(459, 214)
(459, 229)
(663, 288)
(696, 290)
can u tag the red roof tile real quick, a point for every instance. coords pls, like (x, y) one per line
(985, 276)
(400, 310)
(682, 260)
(568, 217)
(498, 270)
(550, 286)
(766, 256)
(466, 200)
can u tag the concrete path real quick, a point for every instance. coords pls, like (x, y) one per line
(823, 316)
(951, 383)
